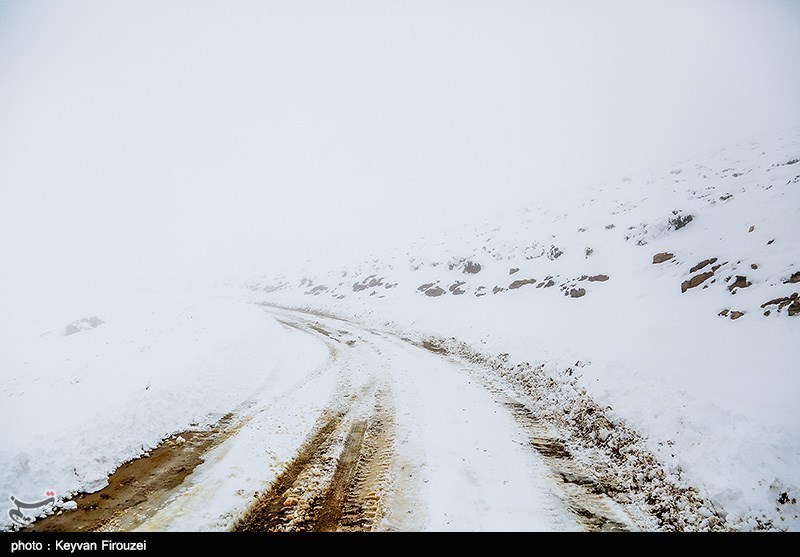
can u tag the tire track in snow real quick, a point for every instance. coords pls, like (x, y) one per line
(585, 498)
(335, 481)
(458, 464)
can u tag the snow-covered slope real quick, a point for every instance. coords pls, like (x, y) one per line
(676, 293)
(86, 393)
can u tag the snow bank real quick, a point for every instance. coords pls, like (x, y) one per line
(91, 382)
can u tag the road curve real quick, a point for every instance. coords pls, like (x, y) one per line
(383, 434)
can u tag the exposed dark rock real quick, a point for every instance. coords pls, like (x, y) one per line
(661, 257)
(753, 266)
(679, 221)
(588, 251)
(369, 282)
(317, 290)
(725, 197)
(610, 226)
(736, 314)
(519, 283)
(269, 289)
(481, 291)
(577, 292)
(472, 268)
(422, 287)
(598, 278)
(784, 498)
(792, 279)
(793, 303)
(435, 291)
(703, 263)
(513, 270)
(752, 227)
(740, 282)
(497, 289)
(456, 289)
(549, 283)
(554, 253)
(695, 281)
(770, 242)
(724, 313)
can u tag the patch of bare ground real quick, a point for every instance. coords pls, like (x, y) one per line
(141, 481)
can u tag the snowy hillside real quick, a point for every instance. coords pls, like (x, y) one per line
(84, 394)
(671, 299)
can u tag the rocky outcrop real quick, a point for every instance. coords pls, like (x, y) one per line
(695, 281)
(455, 288)
(467, 265)
(740, 282)
(733, 314)
(678, 221)
(369, 282)
(434, 292)
(793, 303)
(520, 283)
(554, 253)
(703, 263)
(598, 278)
(661, 257)
(472, 268)
(792, 279)
(577, 292)
(547, 282)
(513, 270)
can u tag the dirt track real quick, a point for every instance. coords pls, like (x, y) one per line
(140, 483)
(356, 470)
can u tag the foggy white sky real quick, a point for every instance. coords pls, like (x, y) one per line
(209, 137)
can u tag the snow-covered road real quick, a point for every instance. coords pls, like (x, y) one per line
(382, 434)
